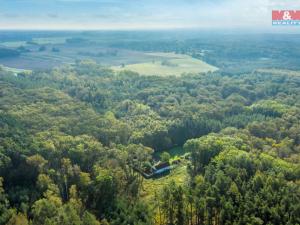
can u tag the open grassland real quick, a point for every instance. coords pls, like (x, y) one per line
(168, 64)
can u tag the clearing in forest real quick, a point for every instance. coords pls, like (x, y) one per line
(178, 174)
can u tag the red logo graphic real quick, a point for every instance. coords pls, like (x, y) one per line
(285, 15)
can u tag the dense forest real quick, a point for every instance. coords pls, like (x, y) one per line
(71, 139)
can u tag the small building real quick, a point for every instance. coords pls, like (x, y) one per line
(161, 168)
(158, 169)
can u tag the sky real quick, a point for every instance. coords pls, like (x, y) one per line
(139, 14)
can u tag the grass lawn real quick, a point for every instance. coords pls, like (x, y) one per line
(179, 175)
(168, 64)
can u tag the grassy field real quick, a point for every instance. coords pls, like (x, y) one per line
(168, 64)
(154, 185)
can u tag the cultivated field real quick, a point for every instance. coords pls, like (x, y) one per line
(162, 64)
(168, 64)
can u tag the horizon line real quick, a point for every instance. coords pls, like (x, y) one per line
(213, 29)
